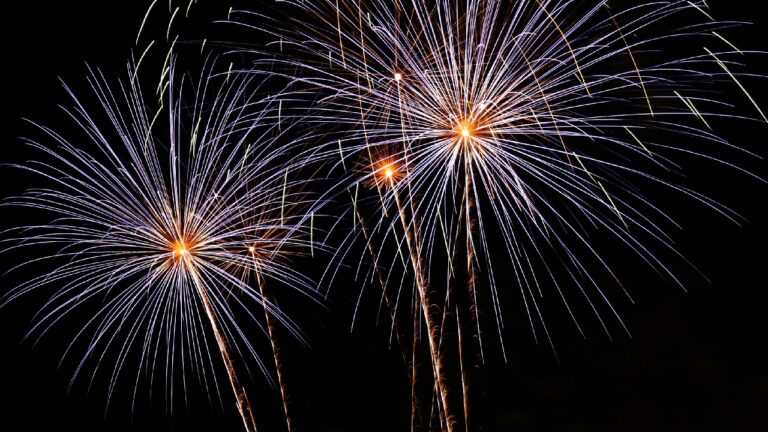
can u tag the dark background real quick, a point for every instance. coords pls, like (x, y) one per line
(695, 362)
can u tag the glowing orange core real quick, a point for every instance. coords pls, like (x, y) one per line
(180, 250)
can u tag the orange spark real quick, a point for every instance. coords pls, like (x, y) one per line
(386, 173)
(180, 250)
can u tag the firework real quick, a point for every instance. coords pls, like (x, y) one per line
(512, 131)
(167, 226)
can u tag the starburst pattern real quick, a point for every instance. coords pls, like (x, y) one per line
(168, 223)
(537, 112)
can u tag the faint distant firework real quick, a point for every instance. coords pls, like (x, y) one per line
(166, 224)
(512, 131)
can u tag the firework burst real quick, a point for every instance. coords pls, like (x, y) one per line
(163, 242)
(516, 129)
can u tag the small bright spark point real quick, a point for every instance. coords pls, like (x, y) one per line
(386, 172)
(465, 132)
(251, 249)
(398, 76)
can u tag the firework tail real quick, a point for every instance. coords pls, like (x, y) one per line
(243, 405)
(471, 289)
(436, 414)
(266, 295)
(416, 417)
(464, 378)
(433, 331)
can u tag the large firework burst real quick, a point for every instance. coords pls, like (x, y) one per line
(512, 131)
(162, 242)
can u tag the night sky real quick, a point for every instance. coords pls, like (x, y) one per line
(695, 361)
